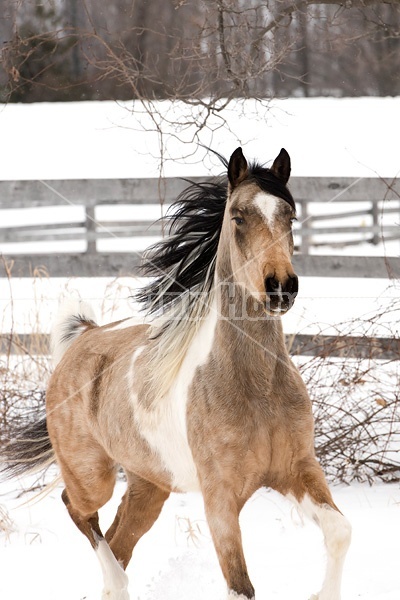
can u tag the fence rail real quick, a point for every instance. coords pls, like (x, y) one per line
(381, 198)
(345, 346)
(91, 192)
(381, 206)
(120, 264)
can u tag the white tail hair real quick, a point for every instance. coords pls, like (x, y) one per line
(73, 318)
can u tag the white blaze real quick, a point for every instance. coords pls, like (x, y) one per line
(267, 205)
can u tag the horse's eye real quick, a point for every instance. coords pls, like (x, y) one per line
(292, 220)
(238, 220)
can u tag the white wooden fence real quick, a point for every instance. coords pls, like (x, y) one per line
(379, 214)
(376, 218)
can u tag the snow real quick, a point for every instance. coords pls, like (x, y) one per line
(355, 137)
(325, 136)
(326, 305)
(46, 557)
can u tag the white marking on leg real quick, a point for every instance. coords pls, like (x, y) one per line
(337, 535)
(234, 596)
(115, 578)
(267, 205)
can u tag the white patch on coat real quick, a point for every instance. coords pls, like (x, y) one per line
(131, 373)
(115, 578)
(337, 535)
(267, 205)
(164, 425)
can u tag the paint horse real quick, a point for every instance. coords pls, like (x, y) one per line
(204, 397)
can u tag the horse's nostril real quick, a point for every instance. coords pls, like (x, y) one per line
(292, 285)
(281, 295)
(271, 285)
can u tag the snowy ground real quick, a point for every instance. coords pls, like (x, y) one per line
(45, 557)
(353, 137)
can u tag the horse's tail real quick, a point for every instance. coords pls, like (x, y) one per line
(27, 448)
(74, 318)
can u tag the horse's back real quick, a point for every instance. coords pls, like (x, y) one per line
(91, 373)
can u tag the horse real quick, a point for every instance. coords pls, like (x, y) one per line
(202, 396)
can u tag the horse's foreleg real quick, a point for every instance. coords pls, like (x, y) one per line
(222, 510)
(313, 495)
(337, 535)
(139, 508)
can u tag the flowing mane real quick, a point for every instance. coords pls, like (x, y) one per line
(183, 263)
(183, 267)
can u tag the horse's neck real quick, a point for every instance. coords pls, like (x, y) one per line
(236, 305)
(245, 335)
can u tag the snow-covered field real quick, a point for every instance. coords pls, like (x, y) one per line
(47, 558)
(43, 556)
(348, 137)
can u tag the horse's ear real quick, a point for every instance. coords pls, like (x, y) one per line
(237, 168)
(281, 166)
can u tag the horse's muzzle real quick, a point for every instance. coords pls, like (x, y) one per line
(281, 294)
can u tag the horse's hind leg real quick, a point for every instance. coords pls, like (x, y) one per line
(312, 494)
(139, 509)
(89, 477)
(115, 579)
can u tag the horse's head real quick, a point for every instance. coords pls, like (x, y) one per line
(261, 211)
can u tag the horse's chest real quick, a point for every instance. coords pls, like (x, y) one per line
(164, 429)
(164, 424)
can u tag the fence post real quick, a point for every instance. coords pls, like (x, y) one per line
(375, 222)
(90, 224)
(305, 223)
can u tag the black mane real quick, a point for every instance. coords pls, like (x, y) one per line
(184, 261)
